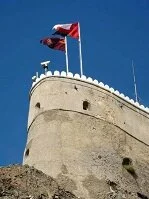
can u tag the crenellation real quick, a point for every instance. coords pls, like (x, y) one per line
(49, 73)
(77, 76)
(70, 74)
(90, 80)
(95, 81)
(56, 73)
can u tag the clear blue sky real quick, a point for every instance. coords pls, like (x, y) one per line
(113, 33)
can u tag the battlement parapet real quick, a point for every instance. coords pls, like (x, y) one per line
(91, 81)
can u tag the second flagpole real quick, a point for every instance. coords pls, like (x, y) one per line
(66, 54)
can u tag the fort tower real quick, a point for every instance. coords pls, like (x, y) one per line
(87, 136)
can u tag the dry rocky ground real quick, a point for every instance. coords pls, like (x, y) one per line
(24, 182)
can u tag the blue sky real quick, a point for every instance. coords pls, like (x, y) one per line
(113, 33)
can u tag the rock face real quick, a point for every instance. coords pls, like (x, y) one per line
(24, 182)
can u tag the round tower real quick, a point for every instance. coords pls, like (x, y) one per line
(81, 132)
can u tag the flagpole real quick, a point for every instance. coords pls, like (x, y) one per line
(80, 51)
(66, 54)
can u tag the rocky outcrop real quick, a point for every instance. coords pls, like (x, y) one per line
(24, 182)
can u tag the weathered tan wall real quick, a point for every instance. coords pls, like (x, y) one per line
(84, 149)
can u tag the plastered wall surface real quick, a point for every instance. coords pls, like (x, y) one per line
(84, 149)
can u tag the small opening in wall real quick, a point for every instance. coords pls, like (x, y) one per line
(27, 153)
(127, 161)
(127, 164)
(86, 105)
(37, 105)
(76, 88)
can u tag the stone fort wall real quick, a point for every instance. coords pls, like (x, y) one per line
(79, 132)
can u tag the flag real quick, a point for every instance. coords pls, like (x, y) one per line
(71, 30)
(54, 43)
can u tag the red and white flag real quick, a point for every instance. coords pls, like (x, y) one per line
(71, 30)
